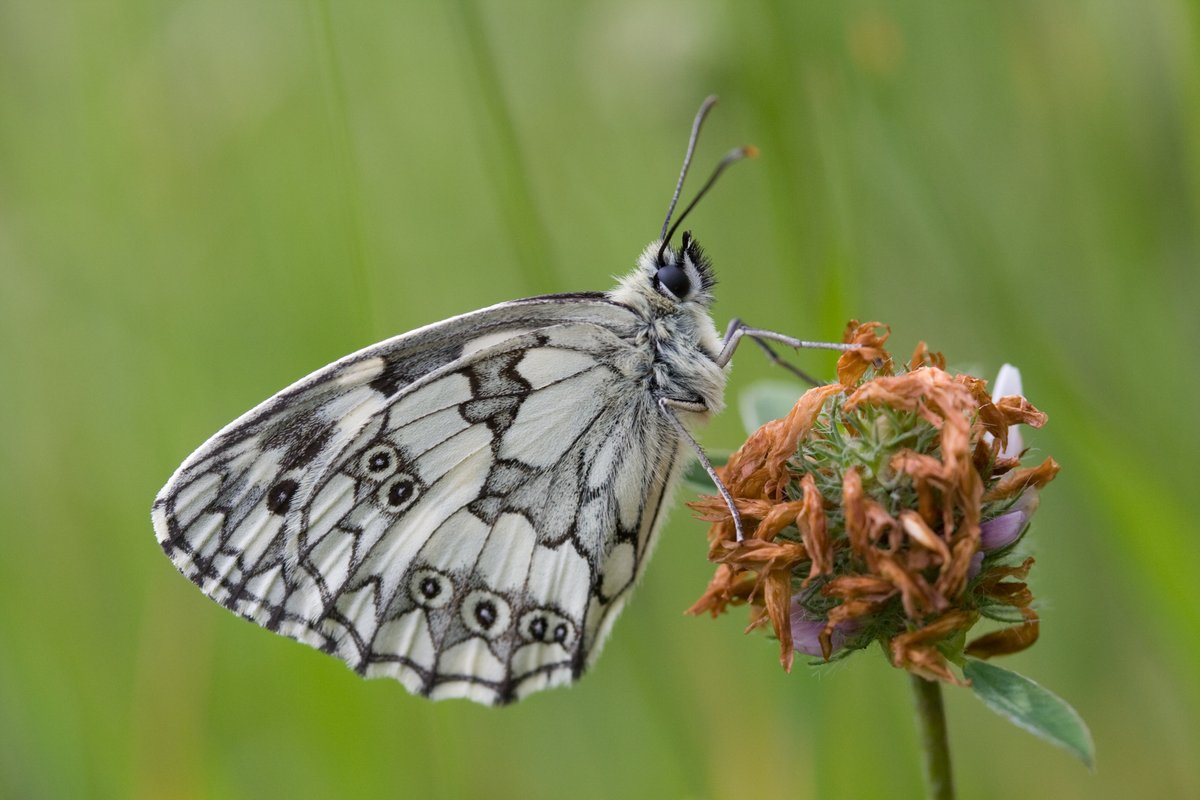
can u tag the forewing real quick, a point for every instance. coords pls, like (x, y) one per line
(462, 508)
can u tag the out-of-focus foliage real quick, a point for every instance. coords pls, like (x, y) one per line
(202, 200)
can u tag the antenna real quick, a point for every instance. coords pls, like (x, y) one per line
(733, 156)
(705, 107)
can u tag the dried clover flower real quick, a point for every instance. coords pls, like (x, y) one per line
(883, 508)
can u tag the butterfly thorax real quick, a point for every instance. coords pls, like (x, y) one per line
(679, 330)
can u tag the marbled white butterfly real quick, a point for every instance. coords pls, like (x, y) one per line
(466, 507)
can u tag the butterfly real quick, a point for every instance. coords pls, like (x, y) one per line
(466, 507)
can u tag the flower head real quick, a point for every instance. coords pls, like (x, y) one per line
(883, 508)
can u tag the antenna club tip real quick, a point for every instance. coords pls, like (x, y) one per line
(750, 151)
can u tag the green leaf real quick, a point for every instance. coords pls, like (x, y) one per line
(696, 479)
(765, 401)
(1027, 705)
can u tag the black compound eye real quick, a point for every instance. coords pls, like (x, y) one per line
(674, 280)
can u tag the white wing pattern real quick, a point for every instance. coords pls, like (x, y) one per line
(463, 508)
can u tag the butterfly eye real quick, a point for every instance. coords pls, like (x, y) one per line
(430, 588)
(486, 614)
(674, 280)
(379, 461)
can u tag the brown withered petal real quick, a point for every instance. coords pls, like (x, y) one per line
(1019, 480)
(992, 419)
(813, 532)
(921, 466)
(935, 631)
(854, 609)
(780, 516)
(927, 502)
(758, 618)
(1016, 592)
(723, 531)
(855, 510)
(853, 587)
(899, 391)
(984, 453)
(728, 585)
(759, 555)
(928, 663)
(923, 357)
(922, 534)
(926, 473)
(879, 524)
(1003, 464)
(1016, 410)
(916, 651)
(745, 473)
(953, 578)
(796, 424)
(915, 594)
(912, 391)
(1020, 571)
(853, 364)
(755, 471)
(825, 638)
(712, 508)
(709, 508)
(1009, 640)
(849, 611)
(1013, 593)
(777, 597)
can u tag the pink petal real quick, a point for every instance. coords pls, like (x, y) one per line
(806, 631)
(1002, 530)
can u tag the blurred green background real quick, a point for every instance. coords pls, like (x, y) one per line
(203, 200)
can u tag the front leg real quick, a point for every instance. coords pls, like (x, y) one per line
(737, 329)
(772, 356)
(668, 406)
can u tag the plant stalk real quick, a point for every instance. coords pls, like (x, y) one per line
(935, 746)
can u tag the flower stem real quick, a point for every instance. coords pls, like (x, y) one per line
(931, 716)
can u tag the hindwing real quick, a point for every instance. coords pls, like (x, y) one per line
(463, 508)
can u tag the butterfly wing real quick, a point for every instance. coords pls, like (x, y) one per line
(463, 508)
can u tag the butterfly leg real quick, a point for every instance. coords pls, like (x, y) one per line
(772, 356)
(668, 406)
(737, 329)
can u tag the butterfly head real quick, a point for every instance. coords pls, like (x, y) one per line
(669, 277)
